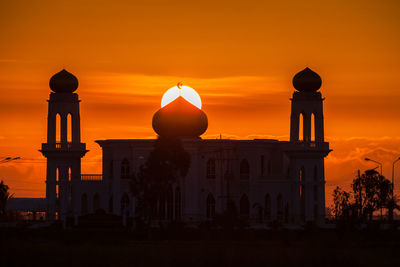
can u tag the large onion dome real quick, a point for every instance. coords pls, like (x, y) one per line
(307, 81)
(63, 82)
(180, 119)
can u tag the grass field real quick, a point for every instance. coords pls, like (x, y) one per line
(79, 247)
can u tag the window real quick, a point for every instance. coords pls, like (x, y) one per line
(301, 127)
(125, 169)
(279, 207)
(211, 168)
(96, 202)
(57, 183)
(244, 206)
(210, 206)
(84, 207)
(244, 170)
(312, 129)
(69, 128)
(58, 128)
(69, 174)
(267, 207)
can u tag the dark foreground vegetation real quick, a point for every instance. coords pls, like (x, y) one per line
(119, 247)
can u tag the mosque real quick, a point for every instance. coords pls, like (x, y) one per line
(266, 180)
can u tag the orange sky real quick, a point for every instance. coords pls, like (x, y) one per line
(240, 56)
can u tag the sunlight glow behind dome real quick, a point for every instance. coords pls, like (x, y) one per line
(189, 94)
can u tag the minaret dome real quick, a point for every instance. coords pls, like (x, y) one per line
(307, 81)
(63, 82)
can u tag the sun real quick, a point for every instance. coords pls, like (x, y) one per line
(188, 93)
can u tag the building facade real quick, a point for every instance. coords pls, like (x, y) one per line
(266, 180)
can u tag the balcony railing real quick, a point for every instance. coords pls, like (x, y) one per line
(309, 145)
(64, 146)
(91, 177)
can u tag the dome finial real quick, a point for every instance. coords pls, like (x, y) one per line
(307, 81)
(63, 82)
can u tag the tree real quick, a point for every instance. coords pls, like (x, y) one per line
(341, 202)
(165, 166)
(371, 192)
(4, 197)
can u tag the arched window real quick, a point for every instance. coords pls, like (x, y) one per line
(244, 206)
(244, 170)
(125, 169)
(57, 183)
(69, 174)
(301, 127)
(279, 207)
(125, 204)
(58, 128)
(312, 129)
(210, 206)
(177, 203)
(69, 128)
(211, 168)
(84, 204)
(267, 207)
(96, 202)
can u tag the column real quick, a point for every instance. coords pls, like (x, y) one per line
(294, 126)
(64, 128)
(51, 128)
(51, 190)
(76, 131)
(63, 191)
(306, 127)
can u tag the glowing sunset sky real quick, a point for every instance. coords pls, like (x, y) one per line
(240, 56)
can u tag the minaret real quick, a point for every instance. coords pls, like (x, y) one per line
(307, 103)
(307, 152)
(63, 149)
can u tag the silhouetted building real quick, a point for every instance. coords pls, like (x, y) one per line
(264, 179)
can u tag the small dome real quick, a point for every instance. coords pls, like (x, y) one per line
(180, 119)
(63, 82)
(307, 81)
